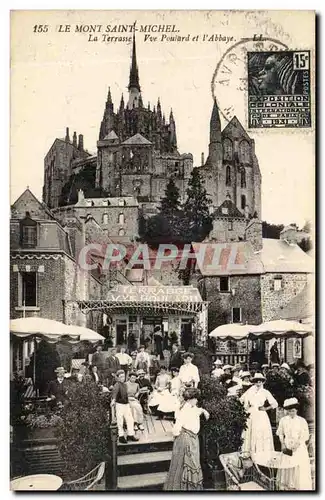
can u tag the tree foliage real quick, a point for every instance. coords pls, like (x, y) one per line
(197, 218)
(271, 230)
(47, 360)
(84, 430)
(223, 431)
(175, 223)
(305, 244)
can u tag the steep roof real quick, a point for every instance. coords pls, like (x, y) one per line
(111, 136)
(228, 209)
(135, 140)
(235, 129)
(278, 256)
(226, 259)
(28, 201)
(301, 307)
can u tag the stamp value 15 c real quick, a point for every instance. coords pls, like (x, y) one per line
(279, 89)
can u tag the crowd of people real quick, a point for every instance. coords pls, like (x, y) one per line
(140, 383)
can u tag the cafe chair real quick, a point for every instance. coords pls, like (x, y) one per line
(86, 482)
(243, 475)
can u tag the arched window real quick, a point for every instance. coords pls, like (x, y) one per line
(121, 232)
(227, 149)
(121, 218)
(244, 152)
(105, 219)
(243, 178)
(228, 176)
(243, 201)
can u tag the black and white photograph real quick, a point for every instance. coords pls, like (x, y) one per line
(162, 251)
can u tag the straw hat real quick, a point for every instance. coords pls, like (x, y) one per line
(217, 362)
(274, 365)
(60, 369)
(257, 377)
(286, 366)
(290, 403)
(245, 374)
(227, 367)
(265, 365)
(141, 372)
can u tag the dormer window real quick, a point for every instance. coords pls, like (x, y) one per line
(224, 210)
(28, 232)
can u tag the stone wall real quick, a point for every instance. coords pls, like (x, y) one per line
(221, 231)
(253, 233)
(111, 224)
(246, 294)
(273, 300)
(50, 279)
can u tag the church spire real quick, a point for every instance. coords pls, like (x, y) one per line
(215, 146)
(215, 124)
(134, 73)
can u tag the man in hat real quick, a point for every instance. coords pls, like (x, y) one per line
(143, 359)
(176, 357)
(145, 389)
(265, 369)
(188, 372)
(217, 372)
(225, 379)
(58, 388)
(274, 354)
(98, 359)
(275, 367)
(112, 365)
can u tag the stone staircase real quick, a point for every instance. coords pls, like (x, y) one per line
(143, 466)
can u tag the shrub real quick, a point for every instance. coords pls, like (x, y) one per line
(84, 431)
(280, 386)
(223, 431)
(202, 359)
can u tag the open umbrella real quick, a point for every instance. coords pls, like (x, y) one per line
(48, 329)
(280, 328)
(231, 331)
(86, 334)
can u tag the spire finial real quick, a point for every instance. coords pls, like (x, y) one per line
(134, 74)
(109, 97)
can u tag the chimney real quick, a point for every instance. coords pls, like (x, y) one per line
(81, 142)
(202, 159)
(67, 137)
(74, 140)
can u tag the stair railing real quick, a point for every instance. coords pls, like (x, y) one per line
(111, 468)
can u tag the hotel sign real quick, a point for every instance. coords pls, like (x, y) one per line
(163, 294)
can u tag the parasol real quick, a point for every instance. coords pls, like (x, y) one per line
(231, 331)
(280, 328)
(48, 329)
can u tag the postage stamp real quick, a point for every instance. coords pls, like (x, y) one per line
(279, 89)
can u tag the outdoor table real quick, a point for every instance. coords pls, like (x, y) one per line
(273, 461)
(37, 482)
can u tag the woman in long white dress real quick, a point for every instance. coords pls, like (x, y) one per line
(160, 389)
(293, 433)
(257, 401)
(171, 400)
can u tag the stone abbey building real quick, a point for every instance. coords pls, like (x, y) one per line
(137, 154)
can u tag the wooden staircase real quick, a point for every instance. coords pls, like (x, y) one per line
(143, 466)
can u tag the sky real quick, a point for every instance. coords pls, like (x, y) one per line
(60, 79)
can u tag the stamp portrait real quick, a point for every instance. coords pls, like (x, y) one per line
(279, 89)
